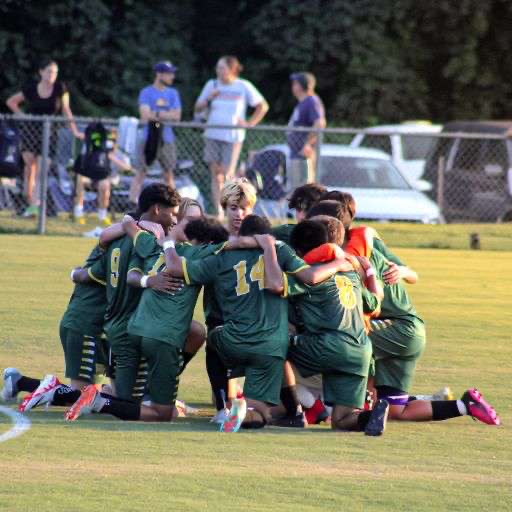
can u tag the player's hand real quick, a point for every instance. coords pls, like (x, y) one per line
(154, 228)
(393, 273)
(164, 282)
(265, 241)
(307, 150)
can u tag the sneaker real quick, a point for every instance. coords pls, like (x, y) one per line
(220, 417)
(479, 409)
(10, 390)
(236, 416)
(443, 394)
(106, 222)
(42, 395)
(84, 405)
(378, 418)
(80, 220)
(297, 421)
(94, 233)
(31, 211)
(317, 413)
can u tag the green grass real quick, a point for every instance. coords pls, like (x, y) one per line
(493, 237)
(99, 463)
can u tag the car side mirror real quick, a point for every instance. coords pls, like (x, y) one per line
(422, 185)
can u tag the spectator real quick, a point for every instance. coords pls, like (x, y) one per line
(309, 112)
(226, 99)
(45, 96)
(158, 102)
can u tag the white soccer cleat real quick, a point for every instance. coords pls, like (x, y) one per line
(42, 395)
(11, 376)
(220, 417)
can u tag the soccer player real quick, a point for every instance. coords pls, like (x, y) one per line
(301, 200)
(162, 322)
(334, 342)
(255, 331)
(398, 340)
(159, 204)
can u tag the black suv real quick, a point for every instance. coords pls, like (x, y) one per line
(477, 184)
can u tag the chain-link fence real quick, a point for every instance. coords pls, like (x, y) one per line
(460, 174)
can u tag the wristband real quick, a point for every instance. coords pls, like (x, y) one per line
(144, 281)
(169, 244)
(370, 272)
(72, 274)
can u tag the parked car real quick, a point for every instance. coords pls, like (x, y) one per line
(477, 178)
(381, 191)
(408, 144)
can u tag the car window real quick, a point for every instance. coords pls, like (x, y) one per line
(475, 155)
(382, 142)
(351, 172)
(416, 147)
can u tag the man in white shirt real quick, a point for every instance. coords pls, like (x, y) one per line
(226, 100)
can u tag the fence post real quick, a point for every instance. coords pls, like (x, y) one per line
(440, 183)
(43, 177)
(318, 148)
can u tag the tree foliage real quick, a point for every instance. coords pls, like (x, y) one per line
(382, 61)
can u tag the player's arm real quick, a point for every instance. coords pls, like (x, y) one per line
(273, 273)
(80, 275)
(395, 273)
(320, 273)
(110, 234)
(241, 242)
(162, 281)
(369, 278)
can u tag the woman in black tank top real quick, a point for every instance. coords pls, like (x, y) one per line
(46, 96)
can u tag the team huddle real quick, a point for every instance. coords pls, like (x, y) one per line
(315, 315)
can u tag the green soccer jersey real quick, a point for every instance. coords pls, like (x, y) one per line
(283, 232)
(160, 315)
(332, 312)
(396, 302)
(254, 318)
(122, 299)
(380, 246)
(86, 309)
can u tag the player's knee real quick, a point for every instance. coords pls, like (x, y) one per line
(196, 337)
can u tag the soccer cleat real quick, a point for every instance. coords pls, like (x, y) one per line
(11, 377)
(317, 413)
(235, 417)
(42, 395)
(378, 418)
(80, 220)
(106, 222)
(84, 405)
(220, 417)
(31, 211)
(479, 409)
(297, 421)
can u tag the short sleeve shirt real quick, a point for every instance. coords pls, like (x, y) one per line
(305, 114)
(229, 107)
(43, 106)
(160, 101)
(254, 318)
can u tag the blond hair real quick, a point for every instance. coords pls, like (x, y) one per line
(237, 191)
(185, 204)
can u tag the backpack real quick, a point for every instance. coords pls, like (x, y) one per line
(93, 161)
(11, 164)
(267, 174)
(153, 141)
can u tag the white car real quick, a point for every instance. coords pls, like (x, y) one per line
(381, 192)
(408, 144)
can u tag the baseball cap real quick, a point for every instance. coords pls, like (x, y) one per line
(165, 66)
(306, 80)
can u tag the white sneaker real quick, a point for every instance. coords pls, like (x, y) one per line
(11, 376)
(42, 395)
(220, 417)
(94, 233)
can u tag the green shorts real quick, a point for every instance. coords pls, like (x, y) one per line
(82, 354)
(344, 366)
(397, 346)
(164, 367)
(263, 373)
(126, 351)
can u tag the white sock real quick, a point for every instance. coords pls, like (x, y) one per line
(102, 213)
(78, 211)
(462, 408)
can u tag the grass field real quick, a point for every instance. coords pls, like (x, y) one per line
(105, 464)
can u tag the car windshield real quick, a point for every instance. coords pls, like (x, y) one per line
(416, 147)
(350, 172)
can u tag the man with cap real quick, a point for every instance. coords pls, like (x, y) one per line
(158, 102)
(309, 112)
